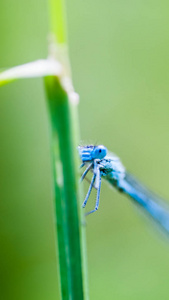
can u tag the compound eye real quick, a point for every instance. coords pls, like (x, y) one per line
(100, 152)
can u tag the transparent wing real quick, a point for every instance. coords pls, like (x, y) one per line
(150, 202)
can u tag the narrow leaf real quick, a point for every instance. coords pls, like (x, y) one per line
(38, 68)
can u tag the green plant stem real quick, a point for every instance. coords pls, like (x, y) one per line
(66, 191)
(70, 234)
(57, 20)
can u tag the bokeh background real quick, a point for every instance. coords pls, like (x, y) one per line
(119, 57)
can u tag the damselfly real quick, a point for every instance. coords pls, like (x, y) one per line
(109, 167)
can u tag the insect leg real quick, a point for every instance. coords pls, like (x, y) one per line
(82, 165)
(89, 181)
(86, 171)
(98, 195)
(89, 191)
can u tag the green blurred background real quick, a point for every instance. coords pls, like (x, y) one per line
(119, 57)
